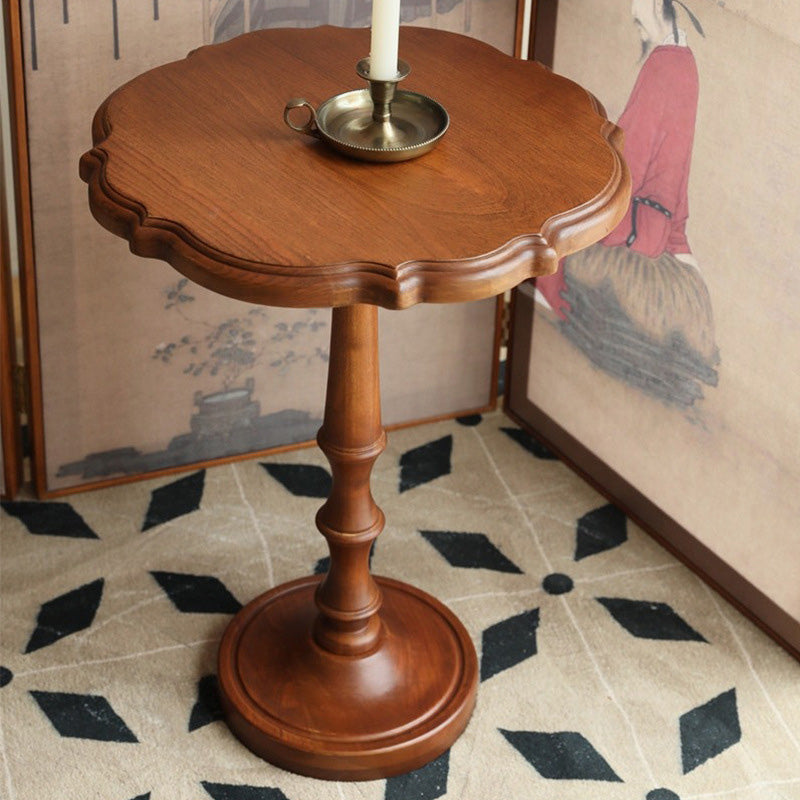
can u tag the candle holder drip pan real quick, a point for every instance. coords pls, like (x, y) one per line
(376, 124)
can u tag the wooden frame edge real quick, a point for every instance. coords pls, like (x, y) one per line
(24, 216)
(29, 309)
(519, 25)
(687, 548)
(542, 32)
(10, 432)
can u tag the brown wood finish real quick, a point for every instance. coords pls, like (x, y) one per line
(543, 31)
(10, 439)
(22, 203)
(351, 677)
(343, 693)
(528, 172)
(519, 26)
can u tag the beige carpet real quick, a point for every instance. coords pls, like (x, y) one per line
(608, 669)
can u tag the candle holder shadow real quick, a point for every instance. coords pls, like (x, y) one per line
(380, 123)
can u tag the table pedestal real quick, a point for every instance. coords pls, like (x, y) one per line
(346, 676)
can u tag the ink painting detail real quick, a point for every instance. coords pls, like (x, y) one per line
(636, 303)
(226, 420)
(229, 18)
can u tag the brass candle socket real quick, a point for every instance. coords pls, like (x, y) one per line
(381, 123)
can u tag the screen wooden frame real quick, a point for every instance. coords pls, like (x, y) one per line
(707, 564)
(27, 281)
(12, 446)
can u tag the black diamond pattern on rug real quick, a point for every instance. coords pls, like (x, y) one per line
(142, 797)
(425, 463)
(207, 707)
(197, 594)
(302, 480)
(470, 420)
(50, 519)
(174, 500)
(66, 614)
(229, 791)
(84, 716)
(709, 729)
(426, 783)
(323, 565)
(564, 755)
(6, 676)
(509, 642)
(534, 447)
(471, 550)
(662, 794)
(602, 529)
(648, 620)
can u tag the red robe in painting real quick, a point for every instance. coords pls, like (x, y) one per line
(658, 122)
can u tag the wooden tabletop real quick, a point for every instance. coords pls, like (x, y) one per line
(193, 164)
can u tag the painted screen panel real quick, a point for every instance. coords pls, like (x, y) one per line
(141, 370)
(671, 350)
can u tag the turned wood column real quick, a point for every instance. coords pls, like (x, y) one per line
(352, 438)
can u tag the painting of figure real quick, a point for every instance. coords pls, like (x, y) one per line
(636, 303)
(663, 361)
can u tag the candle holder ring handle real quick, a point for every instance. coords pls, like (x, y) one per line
(310, 126)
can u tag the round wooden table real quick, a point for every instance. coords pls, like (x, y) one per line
(349, 676)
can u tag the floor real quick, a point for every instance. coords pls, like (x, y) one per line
(608, 669)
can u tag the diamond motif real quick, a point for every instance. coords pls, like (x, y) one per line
(426, 783)
(709, 729)
(470, 420)
(602, 529)
(66, 614)
(425, 463)
(564, 755)
(509, 642)
(472, 550)
(142, 797)
(302, 480)
(207, 707)
(50, 519)
(647, 620)
(84, 716)
(228, 791)
(6, 676)
(197, 594)
(534, 447)
(174, 500)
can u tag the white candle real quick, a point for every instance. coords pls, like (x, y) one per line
(384, 41)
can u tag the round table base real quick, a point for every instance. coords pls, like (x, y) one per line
(343, 717)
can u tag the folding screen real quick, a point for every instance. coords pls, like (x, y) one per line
(665, 361)
(134, 369)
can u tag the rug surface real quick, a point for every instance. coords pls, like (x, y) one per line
(608, 670)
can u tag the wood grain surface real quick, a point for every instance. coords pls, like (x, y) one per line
(349, 677)
(193, 163)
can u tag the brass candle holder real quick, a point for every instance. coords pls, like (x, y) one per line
(380, 123)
